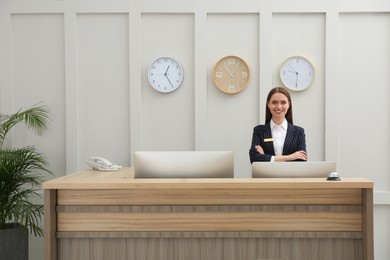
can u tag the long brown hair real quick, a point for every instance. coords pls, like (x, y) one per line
(284, 91)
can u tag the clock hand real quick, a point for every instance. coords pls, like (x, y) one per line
(169, 81)
(235, 69)
(292, 68)
(165, 74)
(296, 74)
(231, 75)
(227, 69)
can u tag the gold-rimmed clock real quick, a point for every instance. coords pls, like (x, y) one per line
(231, 74)
(297, 73)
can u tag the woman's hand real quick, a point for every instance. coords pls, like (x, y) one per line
(259, 149)
(299, 155)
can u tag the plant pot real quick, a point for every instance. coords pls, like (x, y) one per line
(13, 243)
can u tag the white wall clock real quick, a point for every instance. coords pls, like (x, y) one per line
(297, 73)
(231, 74)
(165, 74)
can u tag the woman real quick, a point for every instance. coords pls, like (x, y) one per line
(278, 140)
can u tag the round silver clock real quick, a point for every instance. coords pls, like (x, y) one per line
(165, 74)
(297, 73)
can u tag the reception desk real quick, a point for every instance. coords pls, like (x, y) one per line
(109, 215)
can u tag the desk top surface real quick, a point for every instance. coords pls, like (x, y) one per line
(124, 179)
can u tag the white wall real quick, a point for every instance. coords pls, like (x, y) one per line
(87, 60)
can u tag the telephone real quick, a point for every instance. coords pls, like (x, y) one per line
(101, 164)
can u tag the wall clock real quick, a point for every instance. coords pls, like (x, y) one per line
(231, 74)
(165, 74)
(297, 73)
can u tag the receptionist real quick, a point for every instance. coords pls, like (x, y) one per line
(278, 140)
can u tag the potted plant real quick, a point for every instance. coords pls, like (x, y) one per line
(21, 174)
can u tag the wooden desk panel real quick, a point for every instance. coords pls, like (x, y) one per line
(210, 221)
(95, 215)
(231, 196)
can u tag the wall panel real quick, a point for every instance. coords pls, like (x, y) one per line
(103, 87)
(38, 77)
(304, 34)
(381, 231)
(231, 118)
(168, 121)
(364, 108)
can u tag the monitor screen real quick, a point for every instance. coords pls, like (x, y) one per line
(308, 169)
(183, 164)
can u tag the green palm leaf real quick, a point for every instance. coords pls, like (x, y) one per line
(35, 118)
(22, 172)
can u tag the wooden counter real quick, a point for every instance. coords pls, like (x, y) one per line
(109, 215)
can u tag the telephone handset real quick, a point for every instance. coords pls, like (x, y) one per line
(101, 164)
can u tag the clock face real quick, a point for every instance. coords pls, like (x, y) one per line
(231, 74)
(297, 73)
(165, 74)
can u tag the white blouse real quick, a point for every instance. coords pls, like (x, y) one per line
(278, 135)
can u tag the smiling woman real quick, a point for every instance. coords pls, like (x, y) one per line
(278, 140)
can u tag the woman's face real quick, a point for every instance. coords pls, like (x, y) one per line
(278, 105)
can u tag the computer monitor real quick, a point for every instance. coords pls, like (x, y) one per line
(308, 169)
(183, 164)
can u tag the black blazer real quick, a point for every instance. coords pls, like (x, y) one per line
(295, 141)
